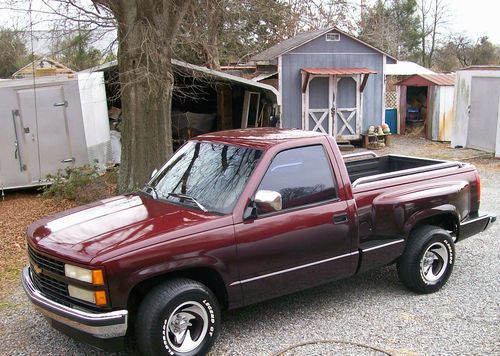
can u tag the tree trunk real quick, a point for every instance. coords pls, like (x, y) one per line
(146, 30)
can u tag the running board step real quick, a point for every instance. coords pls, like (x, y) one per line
(377, 253)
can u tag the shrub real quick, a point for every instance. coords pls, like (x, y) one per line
(81, 184)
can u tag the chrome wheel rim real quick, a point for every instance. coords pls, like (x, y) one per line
(434, 262)
(186, 327)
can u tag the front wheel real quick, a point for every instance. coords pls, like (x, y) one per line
(428, 260)
(179, 317)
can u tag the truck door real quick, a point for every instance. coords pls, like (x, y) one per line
(306, 243)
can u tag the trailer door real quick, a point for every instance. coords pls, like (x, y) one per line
(45, 127)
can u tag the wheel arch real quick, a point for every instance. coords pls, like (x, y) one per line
(204, 275)
(445, 217)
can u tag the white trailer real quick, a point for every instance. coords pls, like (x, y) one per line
(50, 123)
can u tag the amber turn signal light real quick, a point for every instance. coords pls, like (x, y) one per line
(100, 298)
(97, 277)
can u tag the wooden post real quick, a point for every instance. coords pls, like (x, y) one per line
(224, 107)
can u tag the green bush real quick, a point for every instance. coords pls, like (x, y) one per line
(71, 183)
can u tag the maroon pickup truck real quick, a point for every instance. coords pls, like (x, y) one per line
(238, 217)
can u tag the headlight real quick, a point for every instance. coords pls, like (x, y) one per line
(94, 276)
(95, 297)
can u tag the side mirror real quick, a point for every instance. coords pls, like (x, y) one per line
(268, 201)
(154, 172)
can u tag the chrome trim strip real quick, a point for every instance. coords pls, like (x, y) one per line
(101, 325)
(294, 268)
(384, 245)
(405, 172)
(360, 154)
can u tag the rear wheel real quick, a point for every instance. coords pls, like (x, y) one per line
(428, 260)
(179, 317)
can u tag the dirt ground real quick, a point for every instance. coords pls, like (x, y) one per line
(19, 209)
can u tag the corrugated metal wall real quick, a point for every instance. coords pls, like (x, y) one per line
(320, 53)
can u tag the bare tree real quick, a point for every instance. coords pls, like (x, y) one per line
(433, 17)
(316, 14)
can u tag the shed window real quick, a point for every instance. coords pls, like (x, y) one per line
(332, 37)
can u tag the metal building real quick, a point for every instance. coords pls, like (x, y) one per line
(50, 123)
(477, 109)
(427, 99)
(328, 81)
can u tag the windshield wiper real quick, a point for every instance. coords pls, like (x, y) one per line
(151, 189)
(187, 197)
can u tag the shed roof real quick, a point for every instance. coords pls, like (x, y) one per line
(482, 67)
(42, 67)
(202, 70)
(429, 79)
(338, 71)
(406, 68)
(300, 39)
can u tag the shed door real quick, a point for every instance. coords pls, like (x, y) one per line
(347, 124)
(318, 111)
(332, 105)
(46, 134)
(483, 113)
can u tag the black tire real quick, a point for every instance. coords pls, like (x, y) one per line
(428, 260)
(181, 305)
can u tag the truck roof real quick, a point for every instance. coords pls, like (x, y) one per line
(262, 138)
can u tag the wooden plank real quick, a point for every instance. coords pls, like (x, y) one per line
(363, 83)
(334, 114)
(305, 83)
(330, 104)
(306, 123)
(358, 103)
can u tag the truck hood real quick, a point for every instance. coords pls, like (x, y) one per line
(115, 226)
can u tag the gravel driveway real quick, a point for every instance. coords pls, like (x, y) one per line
(366, 315)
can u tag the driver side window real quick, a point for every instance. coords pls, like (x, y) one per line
(301, 175)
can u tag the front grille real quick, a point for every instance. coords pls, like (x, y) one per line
(46, 263)
(48, 276)
(47, 284)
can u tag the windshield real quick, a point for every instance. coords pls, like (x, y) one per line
(209, 174)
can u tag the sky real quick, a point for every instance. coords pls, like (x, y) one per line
(475, 18)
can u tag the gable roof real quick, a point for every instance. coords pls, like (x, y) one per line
(303, 38)
(42, 67)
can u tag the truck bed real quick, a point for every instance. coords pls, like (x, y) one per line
(390, 166)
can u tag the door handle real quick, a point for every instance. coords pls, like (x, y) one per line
(68, 160)
(62, 103)
(340, 218)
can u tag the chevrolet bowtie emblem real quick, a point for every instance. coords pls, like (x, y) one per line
(37, 269)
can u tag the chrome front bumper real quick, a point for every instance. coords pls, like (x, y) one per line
(101, 325)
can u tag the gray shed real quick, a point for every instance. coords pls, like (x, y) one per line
(50, 123)
(477, 109)
(329, 81)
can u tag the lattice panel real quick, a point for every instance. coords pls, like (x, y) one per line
(391, 99)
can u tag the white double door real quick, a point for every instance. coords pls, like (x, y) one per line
(332, 104)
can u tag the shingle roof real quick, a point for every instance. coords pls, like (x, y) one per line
(286, 45)
(300, 39)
